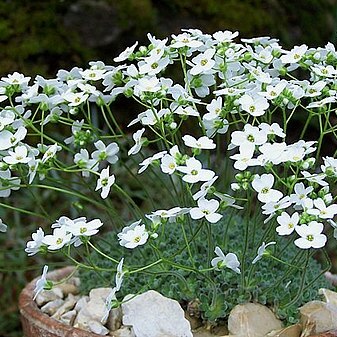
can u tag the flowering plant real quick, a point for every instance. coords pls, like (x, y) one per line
(213, 139)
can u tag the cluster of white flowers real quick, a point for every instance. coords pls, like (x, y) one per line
(229, 91)
(66, 232)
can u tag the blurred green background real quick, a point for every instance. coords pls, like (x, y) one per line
(40, 37)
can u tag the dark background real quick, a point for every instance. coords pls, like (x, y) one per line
(44, 36)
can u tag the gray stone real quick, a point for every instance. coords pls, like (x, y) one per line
(68, 317)
(98, 328)
(68, 305)
(115, 319)
(51, 307)
(252, 320)
(81, 303)
(94, 309)
(48, 295)
(153, 315)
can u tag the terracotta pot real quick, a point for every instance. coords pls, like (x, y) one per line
(37, 324)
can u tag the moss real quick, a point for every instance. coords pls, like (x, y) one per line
(268, 282)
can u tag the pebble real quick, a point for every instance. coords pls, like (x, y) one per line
(94, 309)
(252, 319)
(51, 307)
(68, 317)
(48, 295)
(98, 328)
(68, 305)
(82, 302)
(115, 319)
(152, 315)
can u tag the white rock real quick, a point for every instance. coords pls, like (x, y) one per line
(98, 328)
(68, 305)
(94, 309)
(153, 315)
(317, 317)
(252, 320)
(51, 307)
(68, 317)
(115, 319)
(48, 295)
(82, 302)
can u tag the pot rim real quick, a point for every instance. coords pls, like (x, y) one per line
(30, 312)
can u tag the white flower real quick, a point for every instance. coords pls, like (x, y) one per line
(84, 163)
(272, 91)
(147, 84)
(8, 139)
(126, 53)
(16, 79)
(42, 282)
(201, 143)
(103, 152)
(323, 211)
(153, 65)
(75, 98)
(58, 239)
(168, 164)
(92, 74)
(50, 152)
(170, 214)
(19, 155)
(245, 158)
(230, 261)
(33, 246)
(263, 186)
(294, 55)
(109, 304)
(287, 223)
(119, 274)
(7, 117)
(248, 138)
(137, 137)
(186, 111)
(206, 208)
(148, 161)
(3, 227)
(216, 125)
(185, 40)
(272, 153)
(105, 182)
(204, 188)
(273, 129)
(311, 235)
(315, 178)
(225, 36)
(262, 251)
(301, 194)
(254, 105)
(194, 171)
(83, 228)
(330, 166)
(271, 207)
(324, 71)
(133, 235)
(203, 62)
